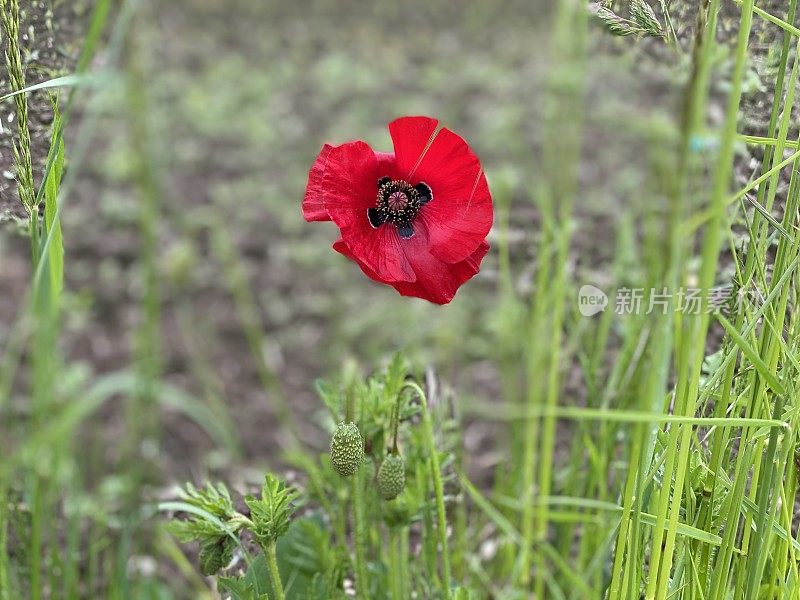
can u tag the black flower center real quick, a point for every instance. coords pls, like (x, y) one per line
(398, 203)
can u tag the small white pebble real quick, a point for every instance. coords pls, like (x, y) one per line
(488, 549)
(145, 566)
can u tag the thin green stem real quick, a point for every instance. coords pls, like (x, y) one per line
(5, 584)
(396, 422)
(405, 553)
(141, 410)
(275, 575)
(359, 533)
(438, 487)
(396, 573)
(428, 535)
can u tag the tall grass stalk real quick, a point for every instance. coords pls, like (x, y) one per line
(562, 139)
(627, 573)
(42, 464)
(45, 298)
(692, 348)
(142, 409)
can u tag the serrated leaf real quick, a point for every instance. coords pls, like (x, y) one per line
(396, 373)
(214, 500)
(238, 587)
(257, 577)
(272, 512)
(195, 529)
(215, 554)
(308, 565)
(330, 396)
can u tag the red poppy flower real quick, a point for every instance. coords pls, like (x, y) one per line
(415, 219)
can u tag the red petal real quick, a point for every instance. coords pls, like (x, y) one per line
(460, 216)
(449, 164)
(458, 224)
(350, 188)
(436, 281)
(313, 206)
(410, 136)
(387, 165)
(350, 180)
(441, 289)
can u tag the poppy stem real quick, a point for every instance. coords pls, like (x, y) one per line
(272, 563)
(362, 583)
(396, 422)
(438, 487)
(350, 405)
(397, 571)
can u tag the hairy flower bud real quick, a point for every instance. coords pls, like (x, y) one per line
(397, 513)
(215, 555)
(392, 476)
(347, 449)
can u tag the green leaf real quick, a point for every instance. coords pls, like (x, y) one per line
(753, 356)
(396, 373)
(490, 511)
(579, 413)
(253, 586)
(215, 554)
(257, 577)
(52, 226)
(192, 529)
(772, 220)
(271, 513)
(590, 504)
(310, 568)
(203, 528)
(238, 587)
(751, 508)
(587, 504)
(215, 500)
(65, 81)
(331, 397)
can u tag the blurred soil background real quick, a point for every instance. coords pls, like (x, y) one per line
(239, 98)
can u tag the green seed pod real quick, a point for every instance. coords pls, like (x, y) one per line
(347, 449)
(392, 476)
